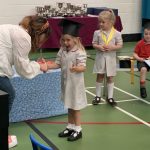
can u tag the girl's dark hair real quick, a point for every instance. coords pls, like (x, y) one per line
(36, 27)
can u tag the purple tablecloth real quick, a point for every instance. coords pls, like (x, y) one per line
(90, 24)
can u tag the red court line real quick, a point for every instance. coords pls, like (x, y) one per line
(89, 123)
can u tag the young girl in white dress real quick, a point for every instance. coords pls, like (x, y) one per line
(106, 41)
(71, 58)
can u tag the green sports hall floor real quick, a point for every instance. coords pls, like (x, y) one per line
(125, 127)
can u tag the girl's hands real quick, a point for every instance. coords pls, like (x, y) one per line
(49, 64)
(77, 68)
(108, 47)
(73, 68)
(105, 47)
(101, 48)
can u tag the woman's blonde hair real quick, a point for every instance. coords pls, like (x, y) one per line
(36, 26)
(107, 14)
(77, 41)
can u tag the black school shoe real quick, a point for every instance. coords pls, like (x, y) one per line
(65, 133)
(96, 100)
(112, 102)
(75, 136)
(143, 92)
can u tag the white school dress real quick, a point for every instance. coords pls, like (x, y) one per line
(72, 84)
(105, 62)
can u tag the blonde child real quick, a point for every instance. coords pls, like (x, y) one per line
(106, 41)
(71, 58)
(141, 53)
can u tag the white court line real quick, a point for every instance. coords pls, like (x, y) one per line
(127, 113)
(132, 95)
(127, 100)
(131, 115)
(136, 97)
(98, 104)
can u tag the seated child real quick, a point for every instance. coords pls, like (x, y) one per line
(141, 53)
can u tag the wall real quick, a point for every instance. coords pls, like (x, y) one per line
(12, 11)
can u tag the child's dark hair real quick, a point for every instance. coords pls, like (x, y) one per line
(147, 26)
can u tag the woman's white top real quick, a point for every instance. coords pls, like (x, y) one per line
(15, 45)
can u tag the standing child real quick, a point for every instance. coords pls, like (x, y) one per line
(141, 53)
(106, 41)
(71, 58)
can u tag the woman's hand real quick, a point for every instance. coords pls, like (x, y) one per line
(43, 67)
(43, 64)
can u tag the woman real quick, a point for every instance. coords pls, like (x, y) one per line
(16, 41)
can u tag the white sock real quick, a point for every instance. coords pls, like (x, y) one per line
(98, 89)
(110, 88)
(78, 128)
(71, 126)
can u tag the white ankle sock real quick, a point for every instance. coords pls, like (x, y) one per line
(110, 88)
(78, 128)
(70, 126)
(98, 89)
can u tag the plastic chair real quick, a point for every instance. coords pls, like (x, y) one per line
(37, 145)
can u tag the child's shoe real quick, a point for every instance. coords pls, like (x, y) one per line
(12, 141)
(65, 133)
(143, 92)
(75, 136)
(112, 102)
(96, 100)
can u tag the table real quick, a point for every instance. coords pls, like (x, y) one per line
(38, 97)
(90, 24)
